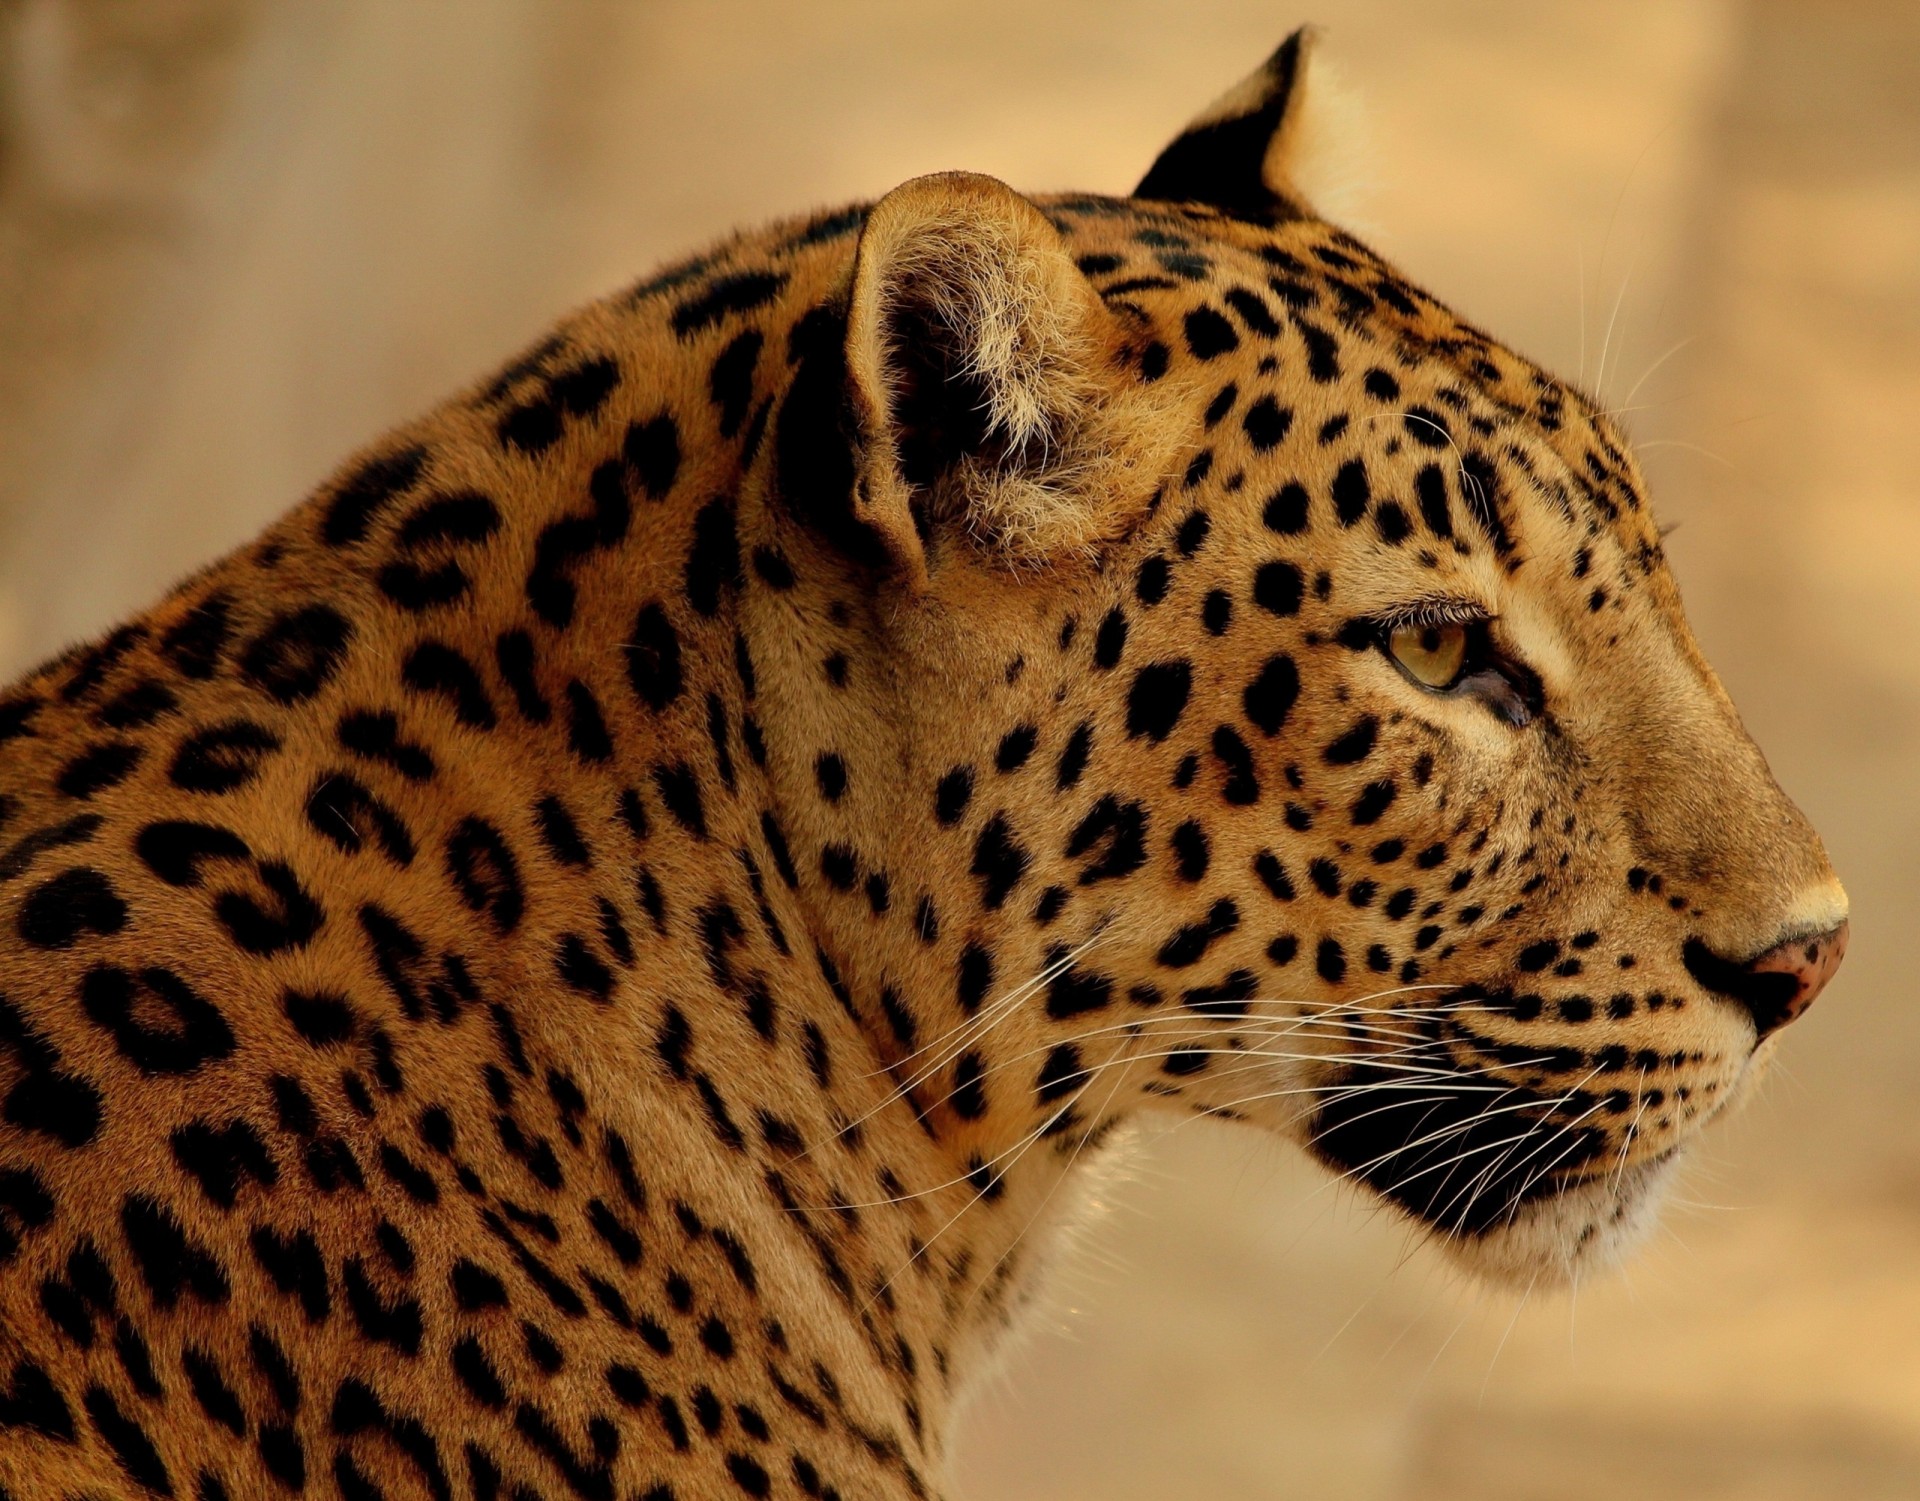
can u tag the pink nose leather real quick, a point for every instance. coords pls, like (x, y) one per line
(1811, 961)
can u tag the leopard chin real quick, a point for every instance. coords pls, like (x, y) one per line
(1590, 1226)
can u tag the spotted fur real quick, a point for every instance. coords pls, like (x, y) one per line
(578, 964)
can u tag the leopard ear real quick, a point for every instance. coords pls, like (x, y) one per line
(1240, 154)
(997, 400)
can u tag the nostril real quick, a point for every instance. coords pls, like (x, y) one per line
(1779, 984)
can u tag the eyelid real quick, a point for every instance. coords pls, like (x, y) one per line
(1438, 609)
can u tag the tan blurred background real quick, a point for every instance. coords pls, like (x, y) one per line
(238, 237)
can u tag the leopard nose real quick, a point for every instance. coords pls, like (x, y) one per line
(1777, 986)
(1799, 969)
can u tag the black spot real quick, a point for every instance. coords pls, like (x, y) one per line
(974, 977)
(342, 810)
(484, 870)
(131, 1447)
(653, 658)
(1273, 876)
(969, 1096)
(136, 707)
(1266, 424)
(223, 758)
(1074, 991)
(1286, 510)
(422, 574)
(320, 1017)
(1111, 639)
(222, 1158)
(830, 774)
(1157, 699)
(999, 861)
(1356, 744)
(477, 1374)
(1330, 961)
(99, 768)
(1373, 802)
(74, 905)
(952, 795)
(1323, 351)
(1242, 787)
(580, 969)
(1270, 697)
(1228, 998)
(1189, 945)
(587, 735)
(366, 492)
(652, 451)
(288, 919)
(1118, 831)
(1427, 427)
(713, 559)
(1073, 757)
(679, 789)
(44, 1100)
(297, 654)
(566, 541)
(730, 382)
(773, 568)
(1150, 584)
(1191, 851)
(1351, 492)
(396, 1321)
(376, 737)
(31, 1401)
(1481, 490)
(294, 1265)
(195, 1034)
(1015, 747)
(1061, 1074)
(738, 292)
(170, 1262)
(1277, 588)
(436, 668)
(1209, 335)
(28, 848)
(1430, 485)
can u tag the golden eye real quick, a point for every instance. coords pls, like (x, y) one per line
(1431, 654)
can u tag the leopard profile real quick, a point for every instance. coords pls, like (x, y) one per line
(579, 963)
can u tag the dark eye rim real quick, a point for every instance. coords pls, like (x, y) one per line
(1507, 686)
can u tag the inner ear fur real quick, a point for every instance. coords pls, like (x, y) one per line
(998, 397)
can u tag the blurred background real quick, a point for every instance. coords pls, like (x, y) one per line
(239, 237)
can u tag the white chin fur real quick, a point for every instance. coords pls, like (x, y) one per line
(1574, 1234)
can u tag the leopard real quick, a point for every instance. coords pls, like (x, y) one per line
(590, 959)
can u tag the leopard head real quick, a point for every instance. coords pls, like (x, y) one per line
(1262, 694)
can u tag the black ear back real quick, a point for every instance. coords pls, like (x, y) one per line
(1233, 156)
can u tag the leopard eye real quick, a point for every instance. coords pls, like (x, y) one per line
(1432, 655)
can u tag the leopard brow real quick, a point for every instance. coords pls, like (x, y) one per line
(1432, 610)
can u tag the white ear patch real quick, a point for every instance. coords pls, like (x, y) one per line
(1329, 152)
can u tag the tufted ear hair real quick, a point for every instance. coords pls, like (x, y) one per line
(993, 393)
(1241, 153)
